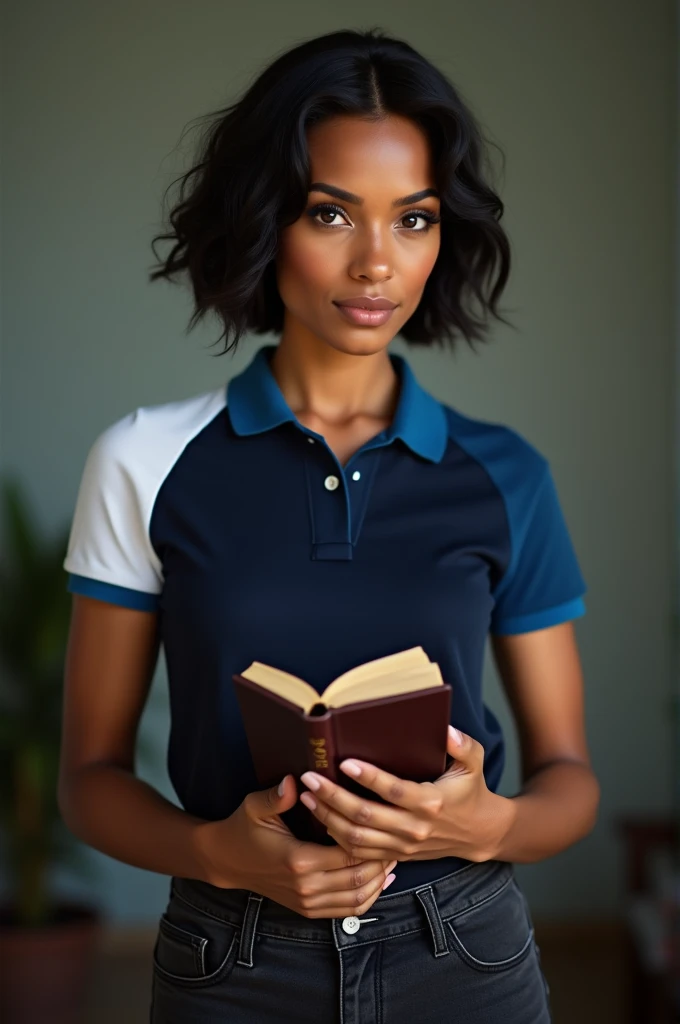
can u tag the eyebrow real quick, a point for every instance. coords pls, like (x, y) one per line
(350, 197)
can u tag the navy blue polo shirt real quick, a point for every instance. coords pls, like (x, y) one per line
(241, 528)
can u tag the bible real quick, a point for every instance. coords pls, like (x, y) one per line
(392, 711)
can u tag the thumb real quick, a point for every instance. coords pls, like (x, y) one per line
(280, 798)
(460, 746)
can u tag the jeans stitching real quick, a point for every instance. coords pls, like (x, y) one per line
(378, 983)
(203, 979)
(342, 989)
(248, 930)
(492, 964)
(480, 903)
(196, 942)
(426, 898)
(293, 938)
(204, 910)
(385, 897)
(386, 938)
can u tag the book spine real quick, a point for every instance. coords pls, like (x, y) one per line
(320, 759)
(321, 745)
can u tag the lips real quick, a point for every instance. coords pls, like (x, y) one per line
(366, 302)
(363, 312)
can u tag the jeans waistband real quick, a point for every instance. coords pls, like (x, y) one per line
(391, 914)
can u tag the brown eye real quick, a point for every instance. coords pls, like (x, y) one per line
(326, 210)
(414, 216)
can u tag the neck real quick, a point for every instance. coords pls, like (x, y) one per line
(335, 387)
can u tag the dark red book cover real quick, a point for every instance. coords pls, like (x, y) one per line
(403, 734)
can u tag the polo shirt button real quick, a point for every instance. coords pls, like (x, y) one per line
(311, 440)
(351, 925)
(356, 475)
(331, 482)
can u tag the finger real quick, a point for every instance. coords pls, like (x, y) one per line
(401, 792)
(306, 858)
(351, 836)
(360, 810)
(369, 853)
(466, 751)
(347, 902)
(354, 878)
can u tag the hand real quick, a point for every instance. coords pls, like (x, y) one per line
(253, 849)
(455, 816)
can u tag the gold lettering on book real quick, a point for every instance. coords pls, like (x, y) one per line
(320, 753)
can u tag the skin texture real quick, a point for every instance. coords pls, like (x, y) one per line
(338, 379)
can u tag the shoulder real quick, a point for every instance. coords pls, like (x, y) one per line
(110, 554)
(515, 465)
(148, 436)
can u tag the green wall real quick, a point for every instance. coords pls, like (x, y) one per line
(580, 96)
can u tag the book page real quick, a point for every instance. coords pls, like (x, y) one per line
(390, 663)
(420, 677)
(283, 683)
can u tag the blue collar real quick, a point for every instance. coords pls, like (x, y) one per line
(255, 403)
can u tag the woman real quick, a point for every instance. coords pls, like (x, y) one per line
(321, 511)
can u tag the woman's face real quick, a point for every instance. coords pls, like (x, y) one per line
(367, 232)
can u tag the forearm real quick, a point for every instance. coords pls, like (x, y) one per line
(112, 810)
(555, 809)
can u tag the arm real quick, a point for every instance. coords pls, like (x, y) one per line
(109, 665)
(110, 660)
(557, 806)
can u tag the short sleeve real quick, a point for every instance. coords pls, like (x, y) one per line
(109, 554)
(542, 585)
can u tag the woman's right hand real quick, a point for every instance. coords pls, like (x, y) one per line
(253, 849)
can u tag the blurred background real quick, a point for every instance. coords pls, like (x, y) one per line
(581, 96)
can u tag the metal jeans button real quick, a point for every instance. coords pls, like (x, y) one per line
(351, 925)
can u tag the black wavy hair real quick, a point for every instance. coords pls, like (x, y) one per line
(252, 177)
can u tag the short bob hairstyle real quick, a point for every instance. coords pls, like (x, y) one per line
(252, 179)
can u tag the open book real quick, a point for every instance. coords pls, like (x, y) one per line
(392, 711)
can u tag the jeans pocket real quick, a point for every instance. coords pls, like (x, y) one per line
(496, 933)
(192, 947)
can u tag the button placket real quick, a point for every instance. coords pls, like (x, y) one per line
(329, 509)
(336, 518)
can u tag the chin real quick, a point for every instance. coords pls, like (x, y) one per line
(362, 341)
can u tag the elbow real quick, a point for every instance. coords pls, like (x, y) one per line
(593, 808)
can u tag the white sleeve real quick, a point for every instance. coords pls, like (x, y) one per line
(110, 555)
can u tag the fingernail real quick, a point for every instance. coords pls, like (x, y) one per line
(310, 779)
(351, 767)
(388, 881)
(456, 735)
(308, 800)
(392, 865)
(282, 785)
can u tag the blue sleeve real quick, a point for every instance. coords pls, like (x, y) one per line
(542, 585)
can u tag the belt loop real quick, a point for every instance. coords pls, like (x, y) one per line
(248, 925)
(426, 897)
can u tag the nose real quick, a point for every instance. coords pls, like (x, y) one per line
(371, 258)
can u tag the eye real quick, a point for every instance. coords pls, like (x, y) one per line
(326, 210)
(331, 213)
(425, 215)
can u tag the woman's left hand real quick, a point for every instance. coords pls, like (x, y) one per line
(454, 816)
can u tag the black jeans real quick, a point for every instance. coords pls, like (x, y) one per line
(460, 950)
